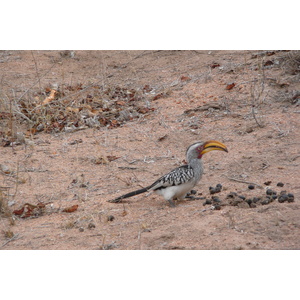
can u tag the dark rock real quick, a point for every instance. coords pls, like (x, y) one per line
(282, 198)
(218, 190)
(291, 197)
(280, 184)
(91, 225)
(231, 195)
(251, 187)
(212, 191)
(207, 202)
(110, 218)
(216, 199)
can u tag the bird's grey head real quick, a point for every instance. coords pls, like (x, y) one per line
(196, 150)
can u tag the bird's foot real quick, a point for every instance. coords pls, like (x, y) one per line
(172, 203)
(117, 200)
(192, 198)
(192, 192)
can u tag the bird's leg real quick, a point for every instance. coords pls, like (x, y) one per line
(117, 200)
(190, 194)
(171, 202)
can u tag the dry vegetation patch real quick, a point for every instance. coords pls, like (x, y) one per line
(78, 128)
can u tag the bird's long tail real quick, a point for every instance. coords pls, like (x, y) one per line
(137, 192)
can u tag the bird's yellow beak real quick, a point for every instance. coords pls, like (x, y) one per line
(213, 145)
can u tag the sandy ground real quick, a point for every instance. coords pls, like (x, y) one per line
(157, 104)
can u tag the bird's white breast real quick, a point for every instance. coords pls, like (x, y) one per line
(176, 191)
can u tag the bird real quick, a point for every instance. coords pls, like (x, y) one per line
(179, 182)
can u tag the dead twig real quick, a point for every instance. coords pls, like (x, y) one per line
(205, 107)
(254, 116)
(36, 82)
(15, 237)
(37, 71)
(243, 181)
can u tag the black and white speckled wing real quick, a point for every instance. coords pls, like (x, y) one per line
(177, 176)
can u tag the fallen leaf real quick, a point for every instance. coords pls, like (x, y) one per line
(50, 98)
(185, 78)
(215, 65)
(70, 209)
(230, 86)
(147, 89)
(112, 157)
(268, 63)
(18, 212)
(26, 211)
(101, 160)
(160, 95)
(162, 137)
(72, 109)
(31, 131)
(114, 123)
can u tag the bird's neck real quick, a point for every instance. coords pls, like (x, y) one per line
(197, 166)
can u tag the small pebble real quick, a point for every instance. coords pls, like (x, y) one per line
(216, 199)
(212, 191)
(81, 229)
(280, 184)
(282, 198)
(255, 199)
(265, 202)
(242, 197)
(207, 202)
(269, 192)
(110, 218)
(218, 190)
(249, 201)
(290, 197)
(251, 187)
(268, 182)
(231, 195)
(217, 207)
(91, 225)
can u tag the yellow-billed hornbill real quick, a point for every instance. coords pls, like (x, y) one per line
(180, 181)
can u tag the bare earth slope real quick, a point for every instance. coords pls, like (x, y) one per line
(119, 120)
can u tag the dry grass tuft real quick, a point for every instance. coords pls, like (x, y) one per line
(290, 62)
(4, 209)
